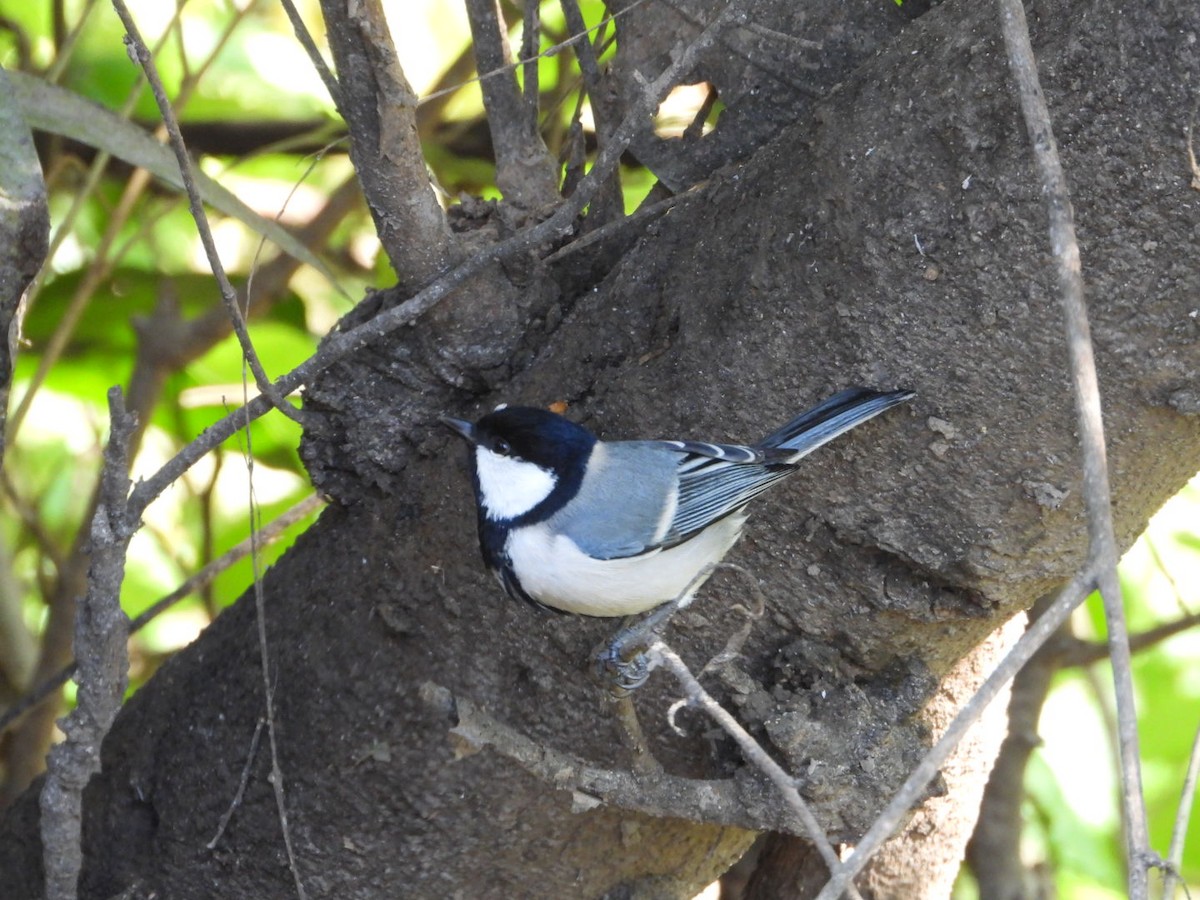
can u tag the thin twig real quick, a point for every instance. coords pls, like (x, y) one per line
(141, 53)
(1097, 497)
(913, 788)
(1162, 567)
(1076, 652)
(260, 615)
(615, 228)
(268, 534)
(1180, 829)
(754, 753)
(531, 32)
(67, 46)
(525, 172)
(101, 632)
(223, 823)
(339, 345)
(585, 53)
(310, 47)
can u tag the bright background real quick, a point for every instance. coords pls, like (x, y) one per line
(117, 261)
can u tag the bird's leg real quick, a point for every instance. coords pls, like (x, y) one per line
(622, 663)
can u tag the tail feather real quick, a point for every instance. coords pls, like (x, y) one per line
(837, 415)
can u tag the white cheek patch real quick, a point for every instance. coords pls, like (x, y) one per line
(510, 487)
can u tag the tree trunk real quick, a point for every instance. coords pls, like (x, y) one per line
(895, 239)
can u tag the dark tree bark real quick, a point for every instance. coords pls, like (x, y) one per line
(892, 236)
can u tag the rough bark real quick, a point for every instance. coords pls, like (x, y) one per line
(24, 240)
(894, 239)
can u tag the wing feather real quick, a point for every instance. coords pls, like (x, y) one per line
(715, 488)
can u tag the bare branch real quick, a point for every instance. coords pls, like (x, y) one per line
(525, 171)
(260, 616)
(754, 753)
(380, 109)
(342, 344)
(267, 534)
(586, 54)
(1097, 498)
(531, 29)
(241, 788)
(310, 47)
(1075, 652)
(911, 791)
(744, 802)
(101, 632)
(1180, 828)
(138, 49)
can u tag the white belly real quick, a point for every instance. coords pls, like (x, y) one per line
(554, 571)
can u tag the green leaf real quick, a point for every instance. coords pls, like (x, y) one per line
(63, 112)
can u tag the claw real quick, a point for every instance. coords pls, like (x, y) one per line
(622, 676)
(622, 664)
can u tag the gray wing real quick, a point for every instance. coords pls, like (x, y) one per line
(620, 507)
(642, 495)
(712, 486)
(718, 479)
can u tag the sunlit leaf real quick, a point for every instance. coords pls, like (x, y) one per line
(59, 111)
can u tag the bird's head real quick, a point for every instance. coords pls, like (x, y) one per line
(525, 460)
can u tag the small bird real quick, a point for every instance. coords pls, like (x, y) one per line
(615, 528)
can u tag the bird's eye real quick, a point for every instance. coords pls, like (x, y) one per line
(503, 447)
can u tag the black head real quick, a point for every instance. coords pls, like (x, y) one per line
(530, 434)
(527, 463)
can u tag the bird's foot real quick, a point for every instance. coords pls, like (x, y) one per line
(622, 669)
(622, 664)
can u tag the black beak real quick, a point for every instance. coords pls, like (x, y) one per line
(462, 428)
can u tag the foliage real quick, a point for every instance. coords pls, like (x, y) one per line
(128, 279)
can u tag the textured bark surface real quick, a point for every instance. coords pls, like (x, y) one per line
(894, 239)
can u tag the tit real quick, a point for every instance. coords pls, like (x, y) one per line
(615, 528)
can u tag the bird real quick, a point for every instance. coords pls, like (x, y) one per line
(575, 524)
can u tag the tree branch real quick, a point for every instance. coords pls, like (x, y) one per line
(380, 108)
(310, 47)
(1103, 554)
(531, 32)
(742, 802)
(910, 792)
(525, 172)
(1180, 828)
(1076, 652)
(141, 53)
(101, 631)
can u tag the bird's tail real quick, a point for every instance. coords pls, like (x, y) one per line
(837, 415)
